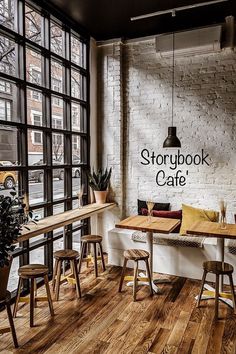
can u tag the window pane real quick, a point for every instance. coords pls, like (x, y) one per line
(58, 183)
(76, 181)
(13, 277)
(7, 56)
(76, 151)
(36, 186)
(8, 179)
(33, 67)
(56, 76)
(77, 49)
(34, 107)
(33, 22)
(76, 240)
(39, 213)
(57, 42)
(57, 209)
(57, 113)
(37, 255)
(75, 116)
(7, 13)
(58, 148)
(8, 145)
(76, 84)
(35, 146)
(8, 101)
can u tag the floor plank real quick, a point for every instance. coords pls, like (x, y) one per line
(105, 321)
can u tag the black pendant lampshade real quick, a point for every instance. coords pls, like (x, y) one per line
(172, 141)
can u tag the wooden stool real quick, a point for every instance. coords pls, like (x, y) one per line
(32, 272)
(217, 268)
(136, 256)
(92, 239)
(73, 278)
(6, 302)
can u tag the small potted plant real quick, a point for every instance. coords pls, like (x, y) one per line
(12, 218)
(99, 182)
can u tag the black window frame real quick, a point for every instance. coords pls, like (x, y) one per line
(20, 80)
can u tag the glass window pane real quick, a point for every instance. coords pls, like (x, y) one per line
(56, 76)
(33, 22)
(75, 116)
(7, 11)
(76, 240)
(77, 52)
(33, 67)
(36, 186)
(76, 84)
(35, 144)
(57, 113)
(34, 107)
(58, 148)
(37, 255)
(76, 150)
(8, 145)
(57, 39)
(13, 277)
(8, 101)
(8, 179)
(76, 181)
(7, 56)
(58, 183)
(39, 213)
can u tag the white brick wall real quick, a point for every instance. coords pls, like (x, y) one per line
(205, 116)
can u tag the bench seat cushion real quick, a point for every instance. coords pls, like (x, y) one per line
(170, 240)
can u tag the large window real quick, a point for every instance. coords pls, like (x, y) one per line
(43, 119)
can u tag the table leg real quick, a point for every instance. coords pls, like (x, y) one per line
(156, 289)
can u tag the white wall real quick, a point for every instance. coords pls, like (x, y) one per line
(134, 112)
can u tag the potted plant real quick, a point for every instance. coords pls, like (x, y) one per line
(99, 182)
(12, 218)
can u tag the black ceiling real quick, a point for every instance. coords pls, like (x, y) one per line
(107, 19)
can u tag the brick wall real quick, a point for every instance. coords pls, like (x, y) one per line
(134, 112)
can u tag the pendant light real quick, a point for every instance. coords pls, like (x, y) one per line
(172, 141)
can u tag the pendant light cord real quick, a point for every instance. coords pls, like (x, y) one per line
(173, 76)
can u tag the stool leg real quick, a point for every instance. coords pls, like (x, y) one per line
(149, 276)
(135, 280)
(54, 274)
(81, 256)
(102, 257)
(13, 331)
(95, 260)
(122, 274)
(58, 279)
(48, 294)
(75, 271)
(217, 296)
(202, 287)
(32, 301)
(17, 296)
(232, 291)
(35, 293)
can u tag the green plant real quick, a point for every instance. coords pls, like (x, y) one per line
(12, 219)
(99, 180)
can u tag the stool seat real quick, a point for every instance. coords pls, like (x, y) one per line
(91, 238)
(136, 255)
(95, 240)
(66, 254)
(32, 271)
(217, 267)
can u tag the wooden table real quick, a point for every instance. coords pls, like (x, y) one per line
(212, 229)
(157, 225)
(53, 222)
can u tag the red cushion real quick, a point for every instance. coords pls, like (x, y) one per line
(171, 214)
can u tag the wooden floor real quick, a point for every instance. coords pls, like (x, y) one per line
(104, 321)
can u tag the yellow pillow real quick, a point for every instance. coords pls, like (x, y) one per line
(191, 214)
